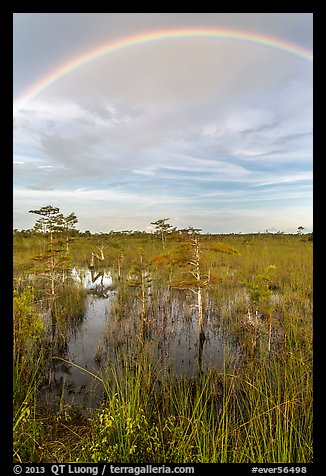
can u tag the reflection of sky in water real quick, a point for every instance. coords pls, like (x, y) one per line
(184, 351)
(82, 349)
(175, 339)
(91, 278)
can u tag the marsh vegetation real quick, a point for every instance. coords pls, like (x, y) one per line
(173, 346)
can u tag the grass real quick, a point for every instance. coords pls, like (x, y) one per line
(258, 411)
(252, 416)
(255, 416)
(26, 432)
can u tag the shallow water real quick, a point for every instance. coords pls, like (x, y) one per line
(101, 336)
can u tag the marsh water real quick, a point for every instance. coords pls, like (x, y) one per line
(101, 339)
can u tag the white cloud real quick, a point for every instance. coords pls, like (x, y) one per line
(169, 127)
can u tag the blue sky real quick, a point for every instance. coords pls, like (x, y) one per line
(211, 133)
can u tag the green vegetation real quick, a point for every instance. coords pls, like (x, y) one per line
(257, 289)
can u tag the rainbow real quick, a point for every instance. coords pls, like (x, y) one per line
(154, 36)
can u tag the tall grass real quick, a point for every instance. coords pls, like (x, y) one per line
(31, 353)
(28, 359)
(26, 429)
(259, 413)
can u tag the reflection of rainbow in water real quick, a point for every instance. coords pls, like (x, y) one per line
(155, 36)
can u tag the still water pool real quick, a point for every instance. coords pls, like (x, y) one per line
(95, 345)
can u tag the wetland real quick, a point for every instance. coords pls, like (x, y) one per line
(133, 350)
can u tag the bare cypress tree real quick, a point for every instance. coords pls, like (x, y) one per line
(140, 278)
(194, 275)
(99, 257)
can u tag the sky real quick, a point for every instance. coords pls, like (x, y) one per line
(210, 132)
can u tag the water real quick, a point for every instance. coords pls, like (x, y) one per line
(102, 338)
(96, 282)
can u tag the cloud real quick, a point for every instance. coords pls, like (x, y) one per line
(167, 127)
(261, 127)
(167, 165)
(305, 176)
(292, 137)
